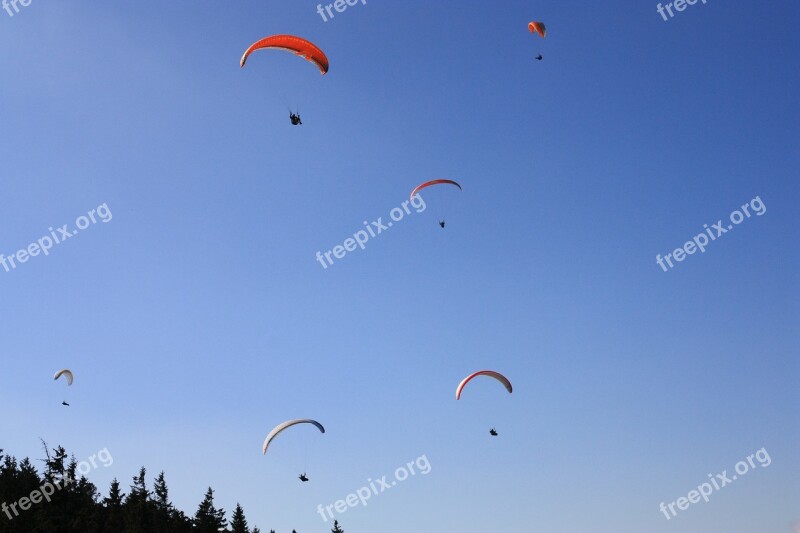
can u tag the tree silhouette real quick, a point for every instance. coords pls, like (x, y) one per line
(138, 506)
(112, 515)
(238, 521)
(208, 519)
(336, 527)
(73, 505)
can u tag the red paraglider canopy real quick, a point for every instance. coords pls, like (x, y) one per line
(433, 182)
(298, 45)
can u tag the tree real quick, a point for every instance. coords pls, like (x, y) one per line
(59, 510)
(161, 493)
(238, 521)
(208, 519)
(112, 516)
(336, 528)
(163, 510)
(139, 508)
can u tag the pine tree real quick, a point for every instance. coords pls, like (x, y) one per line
(138, 506)
(336, 528)
(162, 515)
(208, 519)
(113, 518)
(115, 496)
(53, 516)
(161, 493)
(238, 521)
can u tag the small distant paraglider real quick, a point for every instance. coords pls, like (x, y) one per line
(284, 426)
(538, 27)
(488, 373)
(431, 183)
(68, 376)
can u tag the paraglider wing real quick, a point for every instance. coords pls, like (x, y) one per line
(434, 182)
(490, 373)
(289, 423)
(67, 375)
(298, 45)
(537, 27)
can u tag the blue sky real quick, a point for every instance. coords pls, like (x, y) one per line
(198, 318)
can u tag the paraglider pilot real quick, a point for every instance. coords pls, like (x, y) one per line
(295, 118)
(65, 403)
(303, 477)
(441, 223)
(493, 432)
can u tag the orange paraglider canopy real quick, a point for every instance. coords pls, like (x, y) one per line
(298, 45)
(537, 27)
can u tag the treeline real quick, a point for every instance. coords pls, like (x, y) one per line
(58, 502)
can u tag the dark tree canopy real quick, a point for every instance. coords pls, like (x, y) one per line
(74, 505)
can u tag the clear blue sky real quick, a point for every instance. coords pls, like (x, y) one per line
(198, 317)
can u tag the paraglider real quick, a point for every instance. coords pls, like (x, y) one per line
(68, 376)
(538, 27)
(431, 183)
(298, 46)
(282, 427)
(489, 373)
(290, 43)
